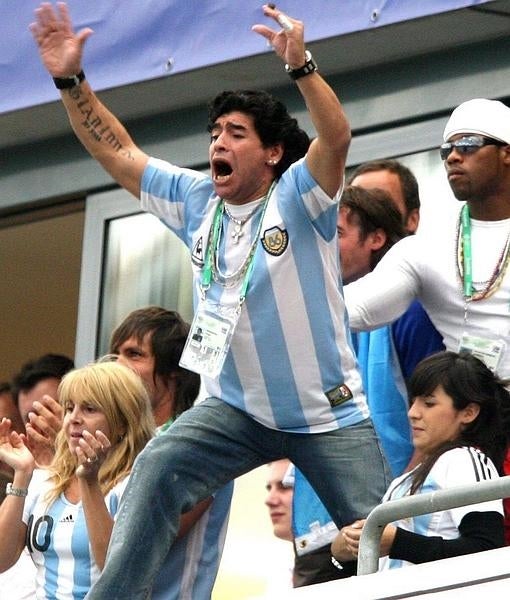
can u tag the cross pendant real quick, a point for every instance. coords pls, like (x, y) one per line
(237, 233)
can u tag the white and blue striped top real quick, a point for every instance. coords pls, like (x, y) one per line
(460, 466)
(290, 365)
(58, 541)
(191, 566)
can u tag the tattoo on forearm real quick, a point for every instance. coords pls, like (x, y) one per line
(101, 132)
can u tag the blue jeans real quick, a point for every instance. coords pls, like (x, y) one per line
(206, 447)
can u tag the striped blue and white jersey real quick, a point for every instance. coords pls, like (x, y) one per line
(191, 566)
(456, 467)
(290, 365)
(58, 541)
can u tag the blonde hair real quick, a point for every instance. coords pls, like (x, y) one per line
(121, 395)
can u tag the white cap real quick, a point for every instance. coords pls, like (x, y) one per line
(490, 118)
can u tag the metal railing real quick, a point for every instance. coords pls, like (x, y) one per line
(421, 504)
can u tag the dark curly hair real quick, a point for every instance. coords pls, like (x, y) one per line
(271, 120)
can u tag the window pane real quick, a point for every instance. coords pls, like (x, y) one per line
(145, 263)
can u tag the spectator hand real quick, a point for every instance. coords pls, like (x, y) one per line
(60, 48)
(13, 450)
(351, 535)
(288, 42)
(345, 546)
(91, 454)
(44, 422)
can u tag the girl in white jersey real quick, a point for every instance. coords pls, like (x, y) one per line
(458, 418)
(64, 514)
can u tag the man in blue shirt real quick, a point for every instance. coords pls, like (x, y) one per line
(269, 336)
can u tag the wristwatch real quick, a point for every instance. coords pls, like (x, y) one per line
(14, 491)
(66, 83)
(309, 67)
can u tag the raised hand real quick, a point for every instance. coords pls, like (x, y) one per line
(44, 422)
(288, 42)
(13, 450)
(91, 454)
(60, 48)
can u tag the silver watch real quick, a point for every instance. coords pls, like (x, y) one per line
(14, 491)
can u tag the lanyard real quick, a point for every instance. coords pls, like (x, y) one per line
(467, 256)
(207, 268)
(213, 247)
(162, 428)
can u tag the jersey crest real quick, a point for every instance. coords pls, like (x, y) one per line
(275, 241)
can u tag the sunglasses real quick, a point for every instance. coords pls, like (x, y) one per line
(469, 144)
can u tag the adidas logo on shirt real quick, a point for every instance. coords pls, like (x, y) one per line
(67, 519)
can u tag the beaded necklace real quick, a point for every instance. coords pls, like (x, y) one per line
(464, 261)
(212, 268)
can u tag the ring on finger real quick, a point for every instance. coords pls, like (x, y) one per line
(285, 22)
(91, 460)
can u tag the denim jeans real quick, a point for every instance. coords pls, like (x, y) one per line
(209, 445)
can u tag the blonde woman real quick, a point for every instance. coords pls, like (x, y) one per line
(64, 514)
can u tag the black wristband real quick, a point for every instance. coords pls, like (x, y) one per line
(309, 67)
(66, 83)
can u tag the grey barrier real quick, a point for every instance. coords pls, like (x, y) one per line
(421, 504)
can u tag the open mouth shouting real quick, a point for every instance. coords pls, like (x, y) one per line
(221, 170)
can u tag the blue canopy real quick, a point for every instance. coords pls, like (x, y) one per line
(137, 40)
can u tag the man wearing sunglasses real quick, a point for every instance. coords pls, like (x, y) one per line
(468, 144)
(460, 275)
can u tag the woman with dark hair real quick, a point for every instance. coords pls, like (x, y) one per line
(458, 418)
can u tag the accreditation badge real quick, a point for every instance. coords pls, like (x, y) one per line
(209, 338)
(489, 351)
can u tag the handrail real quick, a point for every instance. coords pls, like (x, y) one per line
(421, 504)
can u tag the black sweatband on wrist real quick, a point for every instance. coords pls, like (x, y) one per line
(309, 67)
(66, 83)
